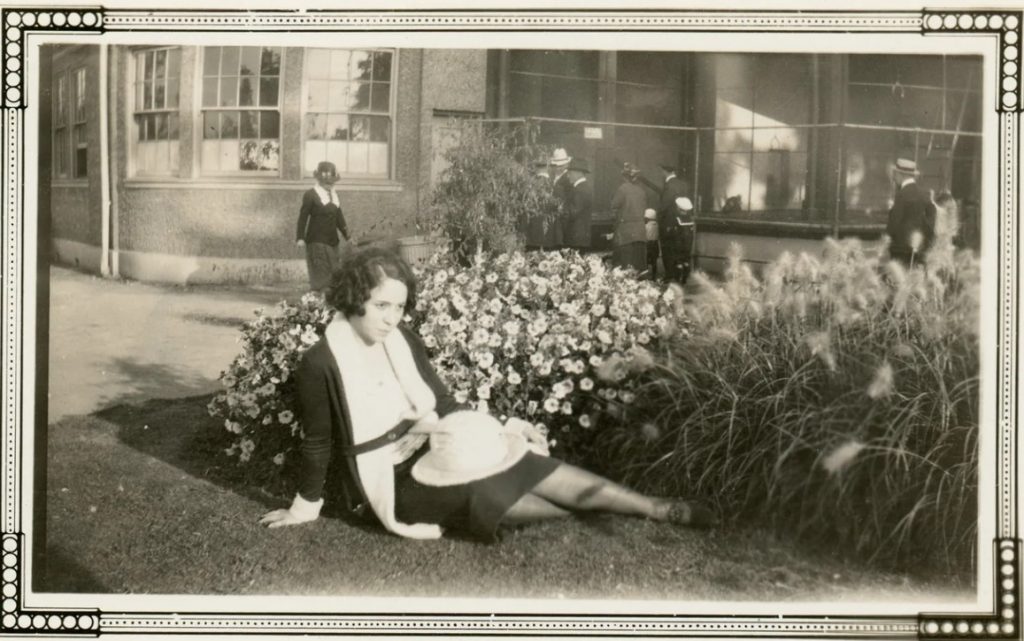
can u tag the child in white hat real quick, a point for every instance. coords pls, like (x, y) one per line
(653, 250)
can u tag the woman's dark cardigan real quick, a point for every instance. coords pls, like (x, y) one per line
(327, 424)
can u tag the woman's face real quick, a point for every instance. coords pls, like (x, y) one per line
(384, 309)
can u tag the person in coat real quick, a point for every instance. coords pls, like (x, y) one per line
(911, 226)
(678, 233)
(409, 455)
(320, 222)
(580, 207)
(561, 188)
(672, 189)
(629, 236)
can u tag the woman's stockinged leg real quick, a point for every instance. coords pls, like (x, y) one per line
(531, 507)
(577, 489)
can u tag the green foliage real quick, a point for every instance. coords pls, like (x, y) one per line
(837, 399)
(488, 192)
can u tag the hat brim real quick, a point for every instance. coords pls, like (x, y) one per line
(560, 163)
(332, 178)
(427, 471)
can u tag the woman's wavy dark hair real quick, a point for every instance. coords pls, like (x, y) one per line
(362, 270)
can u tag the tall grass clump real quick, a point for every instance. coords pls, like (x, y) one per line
(834, 397)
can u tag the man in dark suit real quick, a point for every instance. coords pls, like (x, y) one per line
(911, 225)
(576, 224)
(671, 243)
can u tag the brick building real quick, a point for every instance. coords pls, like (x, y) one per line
(197, 172)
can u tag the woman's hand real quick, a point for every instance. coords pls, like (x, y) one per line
(530, 432)
(301, 511)
(425, 423)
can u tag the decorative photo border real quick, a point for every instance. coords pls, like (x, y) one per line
(19, 23)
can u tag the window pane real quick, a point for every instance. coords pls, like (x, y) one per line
(210, 155)
(210, 92)
(269, 155)
(250, 64)
(337, 95)
(270, 63)
(161, 126)
(337, 152)
(358, 163)
(229, 124)
(380, 129)
(172, 154)
(148, 73)
(382, 65)
(316, 95)
(159, 95)
(140, 125)
(731, 182)
(211, 125)
(173, 63)
(81, 162)
(360, 129)
(359, 96)
(361, 64)
(316, 126)
(248, 155)
(378, 159)
(269, 124)
(151, 127)
(381, 98)
(228, 160)
(211, 61)
(245, 93)
(172, 92)
(229, 91)
(249, 126)
(337, 127)
(340, 61)
(147, 95)
(268, 92)
(313, 152)
(778, 180)
(160, 69)
(140, 67)
(229, 61)
(318, 63)
(172, 126)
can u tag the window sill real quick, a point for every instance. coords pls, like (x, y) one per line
(242, 183)
(70, 183)
(787, 229)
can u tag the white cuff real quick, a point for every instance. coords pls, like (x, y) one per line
(304, 510)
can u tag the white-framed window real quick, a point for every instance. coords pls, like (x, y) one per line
(241, 110)
(79, 136)
(157, 73)
(349, 109)
(61, 135)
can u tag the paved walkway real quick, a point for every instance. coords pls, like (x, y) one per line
(117, 341)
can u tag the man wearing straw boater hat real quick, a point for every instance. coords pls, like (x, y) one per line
(576, 227)
(911, 225)
(561, 186)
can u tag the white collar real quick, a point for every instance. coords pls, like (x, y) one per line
(327, 197)
(581, 179)
(670, 176)
(906, 181)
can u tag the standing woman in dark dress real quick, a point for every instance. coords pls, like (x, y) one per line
(409, 455)
(320, 221)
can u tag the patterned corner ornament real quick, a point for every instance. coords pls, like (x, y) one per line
(1007, 25)
(1003, 623)
(18, 621)
(17, 22)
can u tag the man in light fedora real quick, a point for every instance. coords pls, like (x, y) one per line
(561, 186)
(576, 223)
(911, 226)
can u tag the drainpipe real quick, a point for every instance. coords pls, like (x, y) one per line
(104, 168)
(115, 139)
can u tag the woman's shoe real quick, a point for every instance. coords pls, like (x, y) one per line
(691, 515)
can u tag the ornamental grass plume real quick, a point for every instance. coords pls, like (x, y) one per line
(751, 423)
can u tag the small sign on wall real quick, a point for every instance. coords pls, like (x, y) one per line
(593, 133)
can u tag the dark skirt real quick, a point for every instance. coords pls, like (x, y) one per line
(631, 255)
(321, 259)
(476, 508)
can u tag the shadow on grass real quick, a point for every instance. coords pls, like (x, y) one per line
(62, 573)
(137, 381)
(180, 432)
(220, 321)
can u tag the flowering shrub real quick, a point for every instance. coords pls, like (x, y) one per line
(836, 397)
(258, 401)
(549, 337)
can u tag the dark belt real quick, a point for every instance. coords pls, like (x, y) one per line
(386, 438)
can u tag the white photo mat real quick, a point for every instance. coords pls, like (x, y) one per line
(993, 33)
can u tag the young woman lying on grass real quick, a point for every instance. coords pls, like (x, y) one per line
(420, 462)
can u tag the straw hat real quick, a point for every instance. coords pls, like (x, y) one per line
(468, 446)
(560, 158)
(905, 167)
(684, 203)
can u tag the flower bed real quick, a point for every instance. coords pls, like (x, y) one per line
(836, 398)
(550, 338)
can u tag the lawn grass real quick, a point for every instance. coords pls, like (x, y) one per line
(138, 501)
